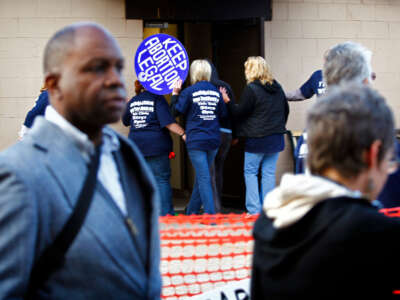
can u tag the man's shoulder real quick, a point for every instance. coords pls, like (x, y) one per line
(44, 137)
(18, 149)
(20, 158)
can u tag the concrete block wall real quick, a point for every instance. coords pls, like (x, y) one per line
(25, 27)
(295, 40)
(302, 30)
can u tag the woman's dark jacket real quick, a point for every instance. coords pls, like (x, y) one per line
(263, 110)
(343, 248)
(215, 80)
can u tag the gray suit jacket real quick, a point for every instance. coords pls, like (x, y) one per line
(40, 181)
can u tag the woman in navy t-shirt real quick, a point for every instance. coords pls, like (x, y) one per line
(202, 106)
(150, 121)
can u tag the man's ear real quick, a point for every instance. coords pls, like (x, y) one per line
(52, 83)
(372, 154)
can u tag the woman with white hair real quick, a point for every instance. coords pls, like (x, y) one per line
(261, 117)
(202, 106)
(347, 62)
(319, 236)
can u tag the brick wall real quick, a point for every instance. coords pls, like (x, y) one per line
(25, 27)
(301, 30)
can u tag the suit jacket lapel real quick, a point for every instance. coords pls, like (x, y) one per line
(147, 183)
(105, 211)
(61, 151)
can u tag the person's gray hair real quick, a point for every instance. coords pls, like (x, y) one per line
(200, 70)
(343, 124)
(62, 42)
(347, 62)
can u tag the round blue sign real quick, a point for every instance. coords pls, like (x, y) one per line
(160, 60)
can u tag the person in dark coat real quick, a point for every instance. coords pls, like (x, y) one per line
(227, 134)
(261, 118)
(319, 236)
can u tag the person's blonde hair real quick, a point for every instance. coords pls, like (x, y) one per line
(200, 70)
(256, 68)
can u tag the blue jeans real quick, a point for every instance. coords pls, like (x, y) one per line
(252, 164)
(202, 190)
(162, 172)
(217, 169)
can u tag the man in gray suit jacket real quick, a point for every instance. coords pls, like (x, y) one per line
(116, 252)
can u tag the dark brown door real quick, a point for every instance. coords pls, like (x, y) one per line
(233, 42)
(228, 44)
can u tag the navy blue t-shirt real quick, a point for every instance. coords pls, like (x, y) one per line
(268, 144)
(147, 115)
(203, 107)
(38, 109)
(313, 86)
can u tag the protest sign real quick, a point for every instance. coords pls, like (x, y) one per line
(160, 60)
(234, 290)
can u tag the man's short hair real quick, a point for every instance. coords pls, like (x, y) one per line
(347, 62)
(345, 123)
(58, 47)
(62, 42)
(200, 70)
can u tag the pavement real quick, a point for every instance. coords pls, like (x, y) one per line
(181, 201)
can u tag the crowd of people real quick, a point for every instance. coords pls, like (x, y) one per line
(79, 203)
(320, 234)
(211, 116)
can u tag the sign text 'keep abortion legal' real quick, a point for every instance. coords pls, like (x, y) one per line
(161, 60)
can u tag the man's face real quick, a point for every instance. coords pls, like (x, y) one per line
(91, 87)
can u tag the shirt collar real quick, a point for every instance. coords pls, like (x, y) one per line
(110, 141)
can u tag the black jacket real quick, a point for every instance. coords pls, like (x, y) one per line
(263, 110)
(343, 248)
(228, 121)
